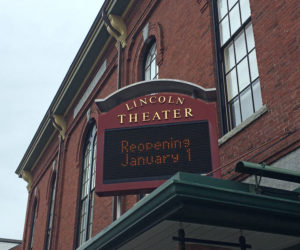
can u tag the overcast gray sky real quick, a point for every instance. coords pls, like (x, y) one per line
(38, 42)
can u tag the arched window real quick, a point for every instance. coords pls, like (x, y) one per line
(87, 187)
(150, 65)
(33, 221)
(49, 229)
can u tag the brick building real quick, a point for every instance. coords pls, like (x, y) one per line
(239, 57)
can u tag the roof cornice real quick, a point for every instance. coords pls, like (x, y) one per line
(92, 46)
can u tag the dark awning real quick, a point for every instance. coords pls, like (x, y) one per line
(191, 198)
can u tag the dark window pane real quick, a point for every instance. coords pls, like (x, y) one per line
(151, 68)
(231, 3)
(232, 89)
(250, 37)
(240, 46)
(235, 112)
(222, 8)
(243, 74)
(253, 65)
(245, 10)
(257, 95)
(224, 30)
(148, 60)
(229, 57)
(246, 104)
(235, 21)
(147, 74)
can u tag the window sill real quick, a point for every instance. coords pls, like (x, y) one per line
(243, 125)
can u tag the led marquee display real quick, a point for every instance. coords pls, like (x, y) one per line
(155, 152)
(142, 142)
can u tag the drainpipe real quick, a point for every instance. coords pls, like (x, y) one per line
(119, 67)
(117, 35)
(120, 36)
(220, 87)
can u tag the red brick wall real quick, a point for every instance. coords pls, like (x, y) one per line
(276, 26)
(184, 32)
(40, 191)
(184, 29)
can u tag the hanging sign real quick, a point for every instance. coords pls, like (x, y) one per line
(146, 140)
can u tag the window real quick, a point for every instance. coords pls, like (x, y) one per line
(141, 196)
(150, 65)
(238, 65)
(33, 221)
(51, 211)
(117, 207)
(87, 187)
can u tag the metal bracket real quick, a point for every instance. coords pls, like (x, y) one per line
(258, 178)
(182, 240)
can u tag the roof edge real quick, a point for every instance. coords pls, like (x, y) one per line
(45, 129)
(182, 195)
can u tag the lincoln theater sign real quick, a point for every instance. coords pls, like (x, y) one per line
(144, 140)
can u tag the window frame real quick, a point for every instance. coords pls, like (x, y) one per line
(89, 198)
(117, 202)
(224, 104)
(51, 207)
(153, 59)
(33, 223)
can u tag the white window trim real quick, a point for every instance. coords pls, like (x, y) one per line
(243, 125)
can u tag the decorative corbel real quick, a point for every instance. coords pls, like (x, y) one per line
(60, 124)
(116, 23)
(26, 175)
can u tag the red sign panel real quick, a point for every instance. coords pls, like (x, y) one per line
(144, 141)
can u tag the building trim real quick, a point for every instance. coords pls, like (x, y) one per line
(244, 124)
(92, 46)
